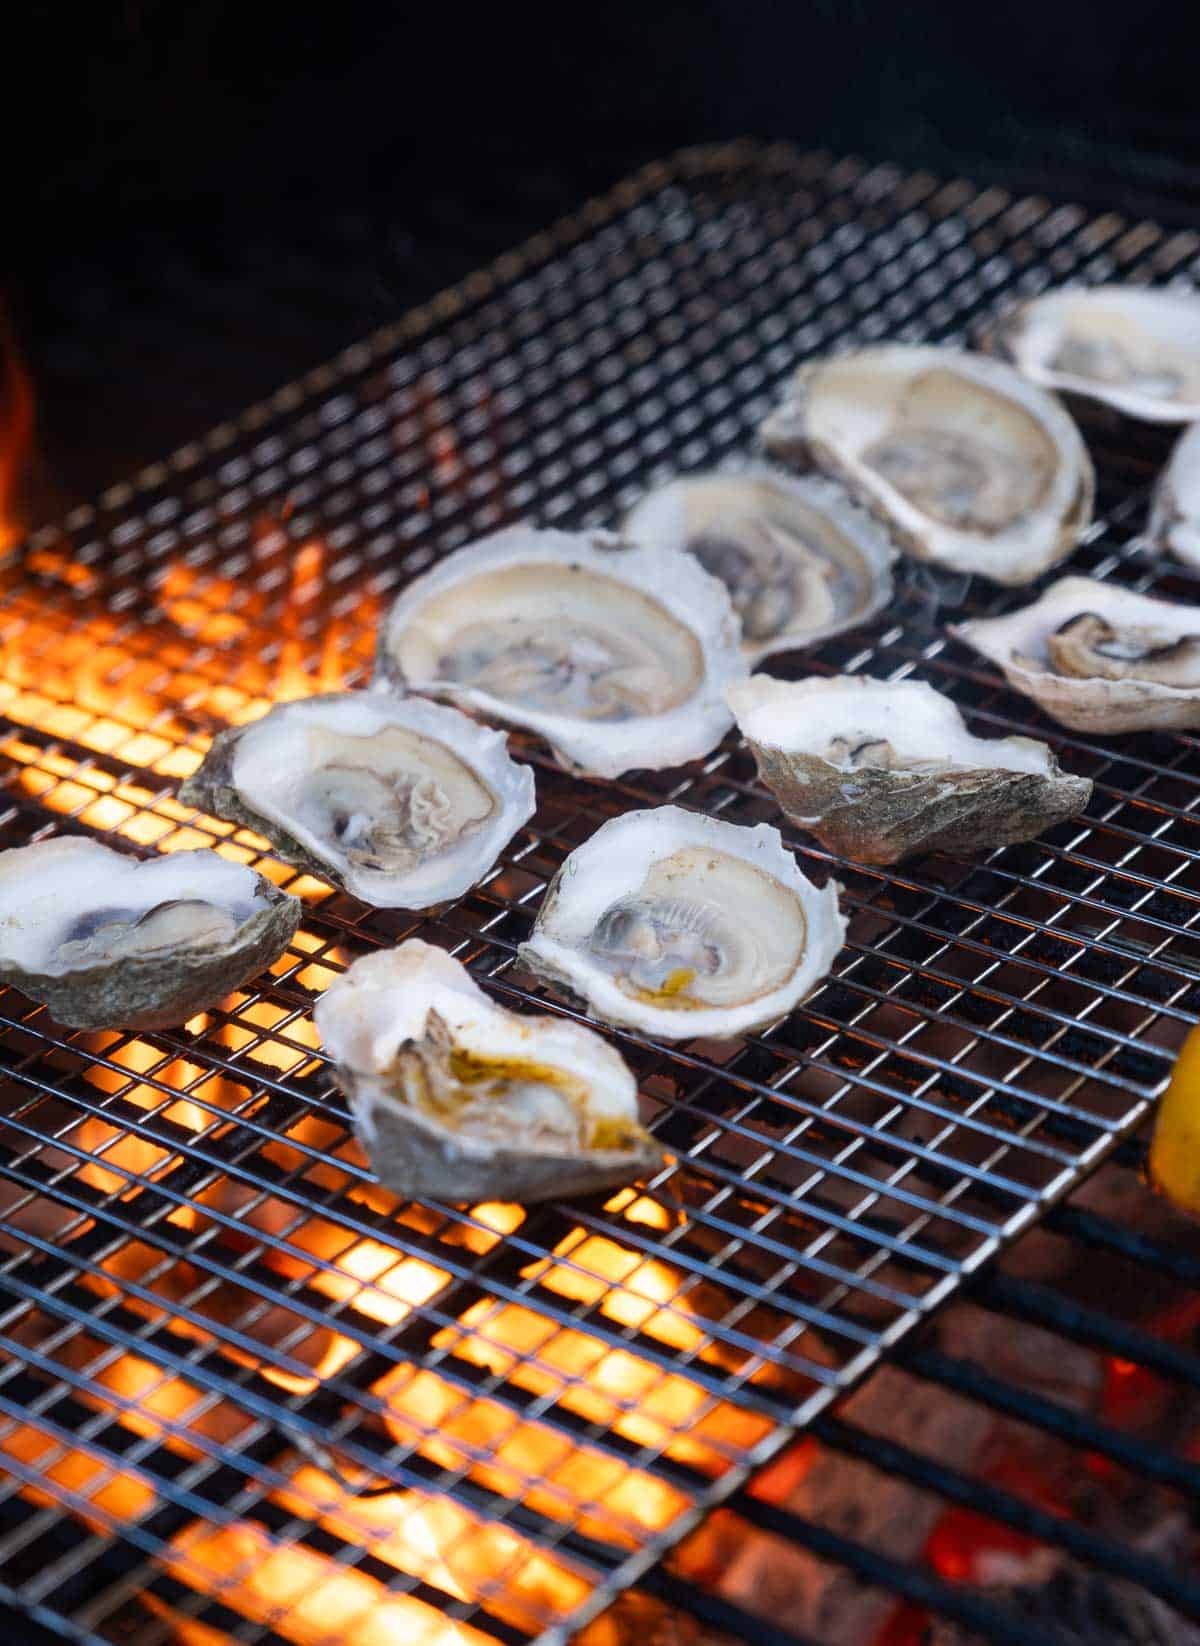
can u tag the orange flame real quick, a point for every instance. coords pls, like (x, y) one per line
(304, 1596)
(134, 694)
(16, 433)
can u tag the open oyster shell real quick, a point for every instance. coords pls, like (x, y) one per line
(1099, 658)
(1175, 511)
(455, 1098)
(800, 561)
(880, 769)
(617, 655)
(970, 464)
(405, 804)
(1133, 348)
(682, 925)
(114, 942)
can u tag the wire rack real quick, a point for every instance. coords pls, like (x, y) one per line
(232, 1370)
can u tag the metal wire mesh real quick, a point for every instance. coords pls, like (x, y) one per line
(225, 1347)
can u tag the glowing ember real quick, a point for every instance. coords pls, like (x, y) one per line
(438, 1541)
(16, 434)
(304, 1597)
(53, 1473)
(112, 707)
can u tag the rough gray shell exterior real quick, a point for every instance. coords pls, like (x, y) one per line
(160, 991)
(421, 1161)
(881, 816)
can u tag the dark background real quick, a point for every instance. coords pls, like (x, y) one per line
(206, 197)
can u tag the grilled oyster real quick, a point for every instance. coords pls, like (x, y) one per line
(617, 655)
(455, 1098)
(800, 562)
(1129, 347)
(1099, 658)
(681, 925)
(969, 464)
(405, 804)
(1175, 512)
(879, 769)
(114, 942)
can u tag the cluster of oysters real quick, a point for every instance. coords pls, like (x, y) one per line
(634, 651)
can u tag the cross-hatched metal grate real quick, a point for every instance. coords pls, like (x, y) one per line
(245, 1391)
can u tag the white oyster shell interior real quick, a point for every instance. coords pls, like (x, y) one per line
(70, 904)
(854, 723)
(682, 925)
(972, 465)
(409, 802)
(1175, 515)
(617, 655)
(1131, 347)
(800, 561)
(1099, 657)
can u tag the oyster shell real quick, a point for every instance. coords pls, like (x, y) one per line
(1134, 348)
(617, 655)
(405, 804)
(1099, 658)
(107, 941)
(971, 465)
(455, 1098)
(800, 561)
(880, 769)
(1175, 511)
(682, 925)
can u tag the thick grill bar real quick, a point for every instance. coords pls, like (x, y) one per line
(239, 1383)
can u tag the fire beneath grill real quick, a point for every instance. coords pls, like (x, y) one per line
(1031, 1501)
(428, 1537)
(247, 1395)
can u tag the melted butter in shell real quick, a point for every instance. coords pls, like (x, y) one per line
(506, 1101)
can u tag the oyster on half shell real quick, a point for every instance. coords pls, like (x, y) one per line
(1175, 510)
(455, 1098)
(1099, 658)
(800, 561)
(114, 942)
(1134, 348)
(617, 655)
(970, 464)
(406, 804)
(880, 769)
(682, 925)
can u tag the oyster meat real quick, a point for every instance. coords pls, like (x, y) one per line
(1134, 348)
(800, 561)
(1175, 512)
(455, 1098)
(970, 465)
(683, 925)
(617, 655)
(1099, 658)
(107, 941)
(879, 769)
(405, 804)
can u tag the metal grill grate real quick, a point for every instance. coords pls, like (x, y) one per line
(246, 1374)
